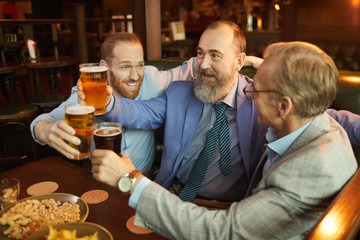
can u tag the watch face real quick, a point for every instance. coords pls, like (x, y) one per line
(125, 184)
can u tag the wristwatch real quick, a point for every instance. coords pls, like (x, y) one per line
(127, 182)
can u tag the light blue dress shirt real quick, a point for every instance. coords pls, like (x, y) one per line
(276, 146)
(135, 196)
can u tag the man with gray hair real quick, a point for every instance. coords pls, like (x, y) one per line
(212, 141)
(308, 158)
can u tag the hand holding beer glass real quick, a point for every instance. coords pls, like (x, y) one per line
(81, 118)
(93, 77)
(107, 135)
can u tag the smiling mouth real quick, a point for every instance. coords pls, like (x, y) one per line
(207, 74)
(131, 84)
(208, 78)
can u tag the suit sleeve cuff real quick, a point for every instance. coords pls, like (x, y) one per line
(135, 196)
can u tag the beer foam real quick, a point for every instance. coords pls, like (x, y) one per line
(93, 69)
(107, 131)
(80, 110)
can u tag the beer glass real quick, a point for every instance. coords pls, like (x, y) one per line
(81, 118)
(9, 192)
(107, 135)
(93, 78)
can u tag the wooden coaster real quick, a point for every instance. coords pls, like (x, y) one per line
(95, 196)
(42, 188)
(136, 229)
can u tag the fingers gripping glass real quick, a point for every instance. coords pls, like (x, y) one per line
(250, 92)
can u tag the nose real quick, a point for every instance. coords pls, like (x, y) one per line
(205, 62)
(134, 74)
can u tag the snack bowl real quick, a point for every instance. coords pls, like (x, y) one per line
(62, 197)
(82, 229)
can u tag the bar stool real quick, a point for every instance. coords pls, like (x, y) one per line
(20, 116)
(15, 118)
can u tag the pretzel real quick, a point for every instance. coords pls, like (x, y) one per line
(29, 216)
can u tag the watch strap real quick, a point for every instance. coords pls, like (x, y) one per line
(134, 174)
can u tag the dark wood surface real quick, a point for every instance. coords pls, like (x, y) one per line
(51, 62)
(111, 214)
(9, 67)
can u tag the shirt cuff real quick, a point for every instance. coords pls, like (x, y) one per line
(110, 106)
(140, 187)
(42, 117)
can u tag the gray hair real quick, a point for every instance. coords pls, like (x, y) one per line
(306, 74)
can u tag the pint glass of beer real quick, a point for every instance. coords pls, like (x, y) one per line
(81, 118)
(107, 135)
(93, 78)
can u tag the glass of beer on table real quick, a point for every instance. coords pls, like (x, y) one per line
(107, 135)
(81, 118)
(9, 192)
(93, 77)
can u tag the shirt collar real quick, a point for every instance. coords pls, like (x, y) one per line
(230, 98)
(280, 145)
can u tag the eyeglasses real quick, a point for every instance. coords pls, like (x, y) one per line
(250, 92)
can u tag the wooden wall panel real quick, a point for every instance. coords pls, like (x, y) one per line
(330, 23)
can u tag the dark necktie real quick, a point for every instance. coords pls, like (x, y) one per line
(219, 131)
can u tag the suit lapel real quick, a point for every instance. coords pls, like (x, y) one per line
(192, 117)
(244, 122)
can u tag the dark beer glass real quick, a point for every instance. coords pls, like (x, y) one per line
(107, 135)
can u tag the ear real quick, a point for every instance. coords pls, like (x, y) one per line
(286, 106)
(240, 61)
(103, 63)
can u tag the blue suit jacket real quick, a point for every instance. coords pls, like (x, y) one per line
(179, 111)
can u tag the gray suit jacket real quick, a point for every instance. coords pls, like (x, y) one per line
(286, 203)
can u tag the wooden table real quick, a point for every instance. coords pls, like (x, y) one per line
(51, 64)
(111, 214)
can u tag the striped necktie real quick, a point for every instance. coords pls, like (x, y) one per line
(219, 131)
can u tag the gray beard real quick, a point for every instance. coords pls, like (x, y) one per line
(213, 94)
